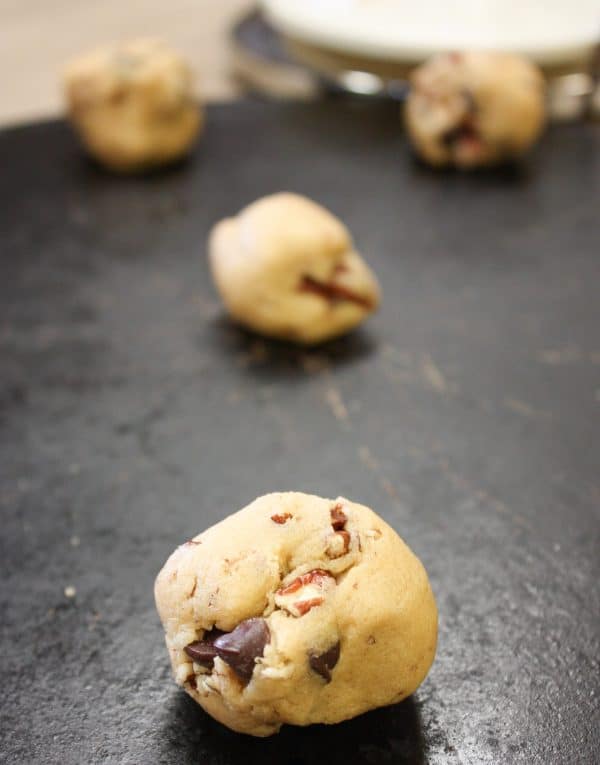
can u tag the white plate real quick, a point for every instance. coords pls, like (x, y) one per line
(550, 32)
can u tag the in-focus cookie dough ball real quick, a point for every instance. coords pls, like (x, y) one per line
(133, 104)
(287, 268)
(475, 108)
(296, 610)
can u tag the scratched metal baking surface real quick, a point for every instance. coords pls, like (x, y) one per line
(466, 413)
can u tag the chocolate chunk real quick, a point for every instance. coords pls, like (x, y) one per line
(323, 663)
(203, 651)
(338, 517)
(241, 647)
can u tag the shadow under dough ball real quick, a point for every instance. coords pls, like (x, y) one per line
(287, 268)
(475, 109)
(133, 105)
(299, 610)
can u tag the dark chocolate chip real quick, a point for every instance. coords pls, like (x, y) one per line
(338, 517)
(241, 647)
(203, 651)
(323, 663)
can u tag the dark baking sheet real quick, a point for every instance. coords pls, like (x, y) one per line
(466, 413)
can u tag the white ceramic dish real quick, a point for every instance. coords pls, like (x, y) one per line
(551, 32)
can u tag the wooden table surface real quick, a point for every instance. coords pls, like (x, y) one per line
(38, 36)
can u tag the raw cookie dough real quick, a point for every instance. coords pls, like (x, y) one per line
(133, 104)
(475, 108)
(297, 610)
(287, 268)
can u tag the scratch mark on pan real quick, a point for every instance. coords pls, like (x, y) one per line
(524, 409)
(463, 484)
(389, 488)
(367, 458)
(432, 375)
(336, 404)
(569, 354)
(556, 356)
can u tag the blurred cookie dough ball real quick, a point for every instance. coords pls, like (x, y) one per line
(133, 104)
(475, 108)
(287, 268)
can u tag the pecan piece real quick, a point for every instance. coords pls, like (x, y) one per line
(338, 544)
(334, 293)
(338, 517)
(312, 577)
(305, 592)
(281, 517)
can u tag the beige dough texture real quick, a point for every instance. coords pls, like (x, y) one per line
(296, 609)
(132, 104)
(474, 109)
(287, 268)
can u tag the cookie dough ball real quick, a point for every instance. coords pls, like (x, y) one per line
(287, 268)
(474, 109)
(133, 104)
(297, 610)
